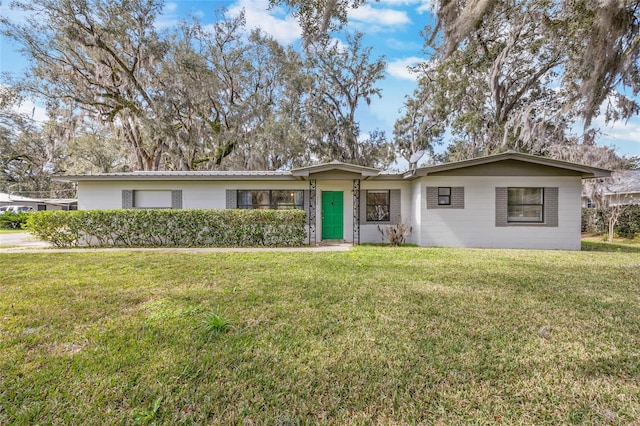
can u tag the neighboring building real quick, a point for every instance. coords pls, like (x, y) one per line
(508, 200)
(38, 203)
(623, 189)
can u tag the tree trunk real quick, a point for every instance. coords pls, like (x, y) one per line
(611, 226)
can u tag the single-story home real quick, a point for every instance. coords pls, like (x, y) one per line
(624, 188)
(509, 200)
(7, 199)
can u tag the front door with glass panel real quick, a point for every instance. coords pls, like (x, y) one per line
(332, 215)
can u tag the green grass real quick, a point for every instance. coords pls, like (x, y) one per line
(11, 231)
(371, 336)
(599, 243)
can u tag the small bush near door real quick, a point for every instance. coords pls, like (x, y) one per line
(177, 228)
(396, 234)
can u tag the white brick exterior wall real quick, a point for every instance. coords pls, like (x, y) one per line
(474, 225)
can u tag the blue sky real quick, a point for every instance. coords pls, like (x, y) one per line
(391, 27)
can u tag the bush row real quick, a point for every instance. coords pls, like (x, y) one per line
(595, 221)
(12, 220)
(178, 228)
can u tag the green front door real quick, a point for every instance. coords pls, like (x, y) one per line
(332, 223)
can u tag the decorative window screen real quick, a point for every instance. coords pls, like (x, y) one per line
(378, 206)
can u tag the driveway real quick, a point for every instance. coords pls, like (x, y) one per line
(21, 240)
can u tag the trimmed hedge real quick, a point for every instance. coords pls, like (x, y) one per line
(175, 228)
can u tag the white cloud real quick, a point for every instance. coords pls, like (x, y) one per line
(284, 29)
(339, 44)
(381, 17)
(399, 68)
(426, 6)
(169, 17)
(624, 136)
(33, 111)
(198, 14)
(170, 8)
(363, 137)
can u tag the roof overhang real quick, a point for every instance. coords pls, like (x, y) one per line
(10, 198)
(60, 201)
(188, 176)
(338, 170)
(336, 167)
(585, 172)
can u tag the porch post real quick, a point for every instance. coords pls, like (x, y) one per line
(356, 212)
(312, 212)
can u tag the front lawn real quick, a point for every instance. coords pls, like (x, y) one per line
(374, 335)
(11, 231)
(598, 243)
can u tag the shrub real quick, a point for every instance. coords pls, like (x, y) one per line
(594, 221)
(629, 222)
(10, 220)
(396, 234)
(153, 228)
(628, 225)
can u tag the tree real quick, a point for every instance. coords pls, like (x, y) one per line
(516, 73)
(342, 78)
(194, 97)
(10, 120)
(235, 100)
(319, 17)
(94, 149)
(420, 128)
(272, 107)
(598, 41)
(612, 197)
(610, 201)
(497, 91)
(28, 158)
(100, 59)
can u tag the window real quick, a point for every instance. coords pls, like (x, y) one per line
(287, 199)
(378, 206)
(444, 196)
(271, 199)
(525, 205)
(152, 199)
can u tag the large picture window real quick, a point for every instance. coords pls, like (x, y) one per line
(378, 206)
(271, 199)
(525, 205)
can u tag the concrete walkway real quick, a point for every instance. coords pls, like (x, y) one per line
(24, 242)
